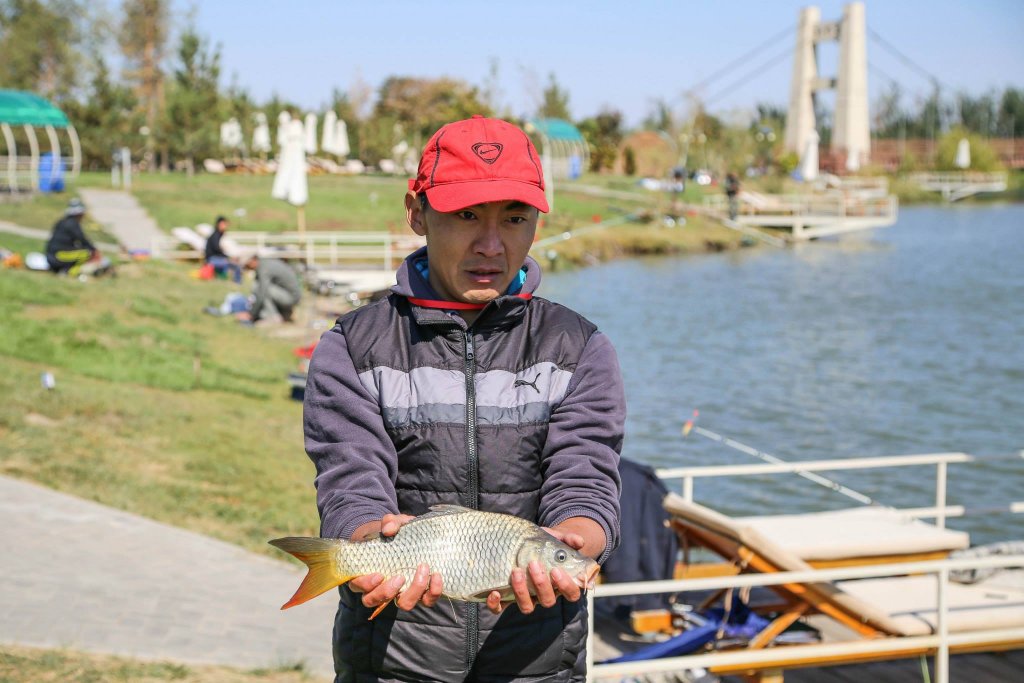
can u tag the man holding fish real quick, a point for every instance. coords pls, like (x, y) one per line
(463, 392)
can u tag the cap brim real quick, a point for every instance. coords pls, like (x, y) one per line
(455, 196)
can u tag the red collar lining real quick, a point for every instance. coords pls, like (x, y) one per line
(458, 305)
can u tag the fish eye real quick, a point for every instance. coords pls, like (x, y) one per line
(561, 556)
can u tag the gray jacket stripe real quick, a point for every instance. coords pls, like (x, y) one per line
(430, 395)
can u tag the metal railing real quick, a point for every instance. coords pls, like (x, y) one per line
(776, 658)
(332, 248)
(794, 655)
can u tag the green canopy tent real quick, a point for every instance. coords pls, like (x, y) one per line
(563, 150)
(28, 111)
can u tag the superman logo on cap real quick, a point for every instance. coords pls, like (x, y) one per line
(488, 151)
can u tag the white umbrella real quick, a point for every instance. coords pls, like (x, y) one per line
(341, 139)
(283, 119)
(809, 161)
(231, 134)
(963, 154)
(853, 160)
(261, 134)
(290, 180)
(311, 133)
(327, 143)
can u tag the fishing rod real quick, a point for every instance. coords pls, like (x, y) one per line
(768, 457)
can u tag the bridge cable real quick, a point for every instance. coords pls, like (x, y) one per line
(739, 60)
(906, 60)
(761, 68)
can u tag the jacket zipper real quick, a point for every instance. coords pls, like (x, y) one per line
(472, 615)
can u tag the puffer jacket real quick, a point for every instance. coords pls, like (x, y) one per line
(408, 407)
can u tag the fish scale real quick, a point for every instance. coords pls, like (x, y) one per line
(473, 551)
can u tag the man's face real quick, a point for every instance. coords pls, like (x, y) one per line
(474, 253)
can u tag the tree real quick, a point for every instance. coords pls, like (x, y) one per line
(411, 109)
(38, 47)
(143, 41)
(191, 125)
(983, 157)
(604, 134)
(554, 101)
(106, 118)
(978, 114)
(1011, 113)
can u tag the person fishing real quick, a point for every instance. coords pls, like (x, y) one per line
(463, 387)
(68, 250)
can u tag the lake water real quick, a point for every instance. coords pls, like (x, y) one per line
(908, 339)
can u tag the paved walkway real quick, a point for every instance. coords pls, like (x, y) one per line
(123, 217)
(80, 575)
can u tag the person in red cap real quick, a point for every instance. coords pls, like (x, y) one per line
(463, 387)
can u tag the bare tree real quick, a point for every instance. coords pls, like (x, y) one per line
(143, 40)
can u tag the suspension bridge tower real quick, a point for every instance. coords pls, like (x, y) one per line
(851, 137)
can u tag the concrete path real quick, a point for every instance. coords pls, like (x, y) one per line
(124, 218)
(35, 233)
(80, 575)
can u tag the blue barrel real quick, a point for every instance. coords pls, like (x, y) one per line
(51, 179)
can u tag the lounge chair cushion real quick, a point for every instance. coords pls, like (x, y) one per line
(854, 533)
(910, 601)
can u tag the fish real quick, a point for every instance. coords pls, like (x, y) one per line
(473, 551)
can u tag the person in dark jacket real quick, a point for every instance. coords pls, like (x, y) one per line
(68, 249)
(465, 387)
(215, 254)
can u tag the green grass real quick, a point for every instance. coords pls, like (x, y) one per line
(158, 409)
(30, 665)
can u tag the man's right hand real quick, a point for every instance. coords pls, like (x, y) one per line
(425, 587)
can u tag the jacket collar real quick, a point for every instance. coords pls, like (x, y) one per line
(503, 310)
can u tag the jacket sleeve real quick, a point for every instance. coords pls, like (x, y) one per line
(80, 239)
(581, 454)
(356, 462)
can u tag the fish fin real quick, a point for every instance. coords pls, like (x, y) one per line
(380, 608)
(319, 555)
(506, 594)
(448, 509)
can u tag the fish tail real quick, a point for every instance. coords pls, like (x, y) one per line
(320, 555)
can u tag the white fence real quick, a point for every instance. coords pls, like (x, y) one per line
(377, 249)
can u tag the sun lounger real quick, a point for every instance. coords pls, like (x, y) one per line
(858, 536)
(865, 608)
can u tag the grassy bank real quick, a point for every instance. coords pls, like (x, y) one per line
(158, 409)
(29, 665)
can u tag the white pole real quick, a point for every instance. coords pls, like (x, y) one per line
(54, 152)
(940, 494)
(76, 152)
(126, 168)
(33, 146)
(942, 653)
(12, 157)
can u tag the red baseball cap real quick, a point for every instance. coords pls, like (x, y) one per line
(480, 160)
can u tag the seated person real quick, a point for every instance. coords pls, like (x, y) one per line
(68, 249)
(277, 290)
(215, 254)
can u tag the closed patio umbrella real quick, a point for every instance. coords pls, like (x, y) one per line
(327, 141)
(310, 133)
(290, 181)
(283, 119)
(261, 134)
(809, 160)
(963, 154)
(341, 139)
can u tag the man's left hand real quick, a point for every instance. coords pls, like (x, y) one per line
(547, 587)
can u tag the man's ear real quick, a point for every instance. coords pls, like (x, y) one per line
(414, 213)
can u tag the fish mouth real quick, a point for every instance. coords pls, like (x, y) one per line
(589, 576)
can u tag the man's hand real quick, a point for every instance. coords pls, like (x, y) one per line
(547, 587)
(425, 587)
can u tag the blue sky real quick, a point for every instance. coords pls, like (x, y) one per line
(623, 55)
